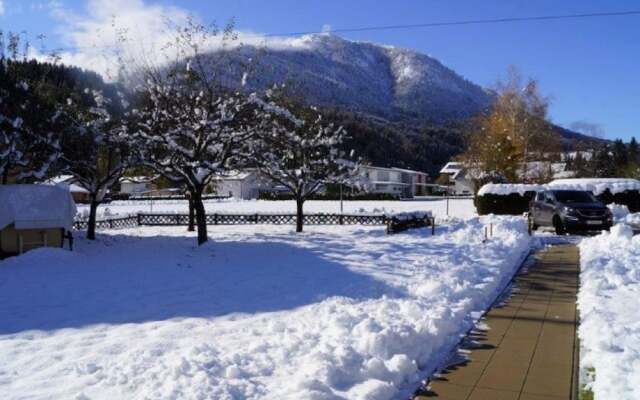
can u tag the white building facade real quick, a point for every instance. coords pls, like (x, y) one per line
(403, 183)
(245, 184)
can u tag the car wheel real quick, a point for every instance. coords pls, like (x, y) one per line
(557, 223)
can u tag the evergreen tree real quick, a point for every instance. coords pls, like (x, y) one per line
(603, 163)
(620, 156)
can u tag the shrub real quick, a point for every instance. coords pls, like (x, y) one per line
(503, 204)
(516, 204)
(629, 198)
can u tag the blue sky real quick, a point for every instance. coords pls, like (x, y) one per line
(588, 67)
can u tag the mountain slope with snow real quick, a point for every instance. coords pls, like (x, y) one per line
(384, 81)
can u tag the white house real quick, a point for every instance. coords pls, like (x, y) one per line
(246, 184)
(79, 194)
(34, 216)
(404, 183)
(136, 185)
(461, 184)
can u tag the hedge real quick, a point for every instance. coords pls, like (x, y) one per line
(511, 204)
(516, 204)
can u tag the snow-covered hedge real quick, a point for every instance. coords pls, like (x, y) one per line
(514, 198)
(610, 321)
(505, 199)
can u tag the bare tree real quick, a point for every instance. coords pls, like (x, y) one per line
(189, 127)
(96, 148)
(299, 152)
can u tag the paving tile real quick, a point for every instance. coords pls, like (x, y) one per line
(492, 394)
(448, 391)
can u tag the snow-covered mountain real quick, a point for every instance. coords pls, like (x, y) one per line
(389, 82)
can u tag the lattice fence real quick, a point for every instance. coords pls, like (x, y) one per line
(269, 219)
(112, 223)
(393, 224)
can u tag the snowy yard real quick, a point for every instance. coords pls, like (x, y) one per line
(609, 312)
(460, 208)
(333, 313)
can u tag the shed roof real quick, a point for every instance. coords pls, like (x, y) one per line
(36, 207)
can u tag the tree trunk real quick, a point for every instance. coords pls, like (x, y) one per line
(299, 214)
(91, 226)
(192, 216)
(201, 216)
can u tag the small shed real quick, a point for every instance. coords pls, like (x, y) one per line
(33, 216)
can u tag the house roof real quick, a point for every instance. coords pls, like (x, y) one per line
(60, 179)
(235, 175)
(137, 179)
(36, 207)
(451, 167)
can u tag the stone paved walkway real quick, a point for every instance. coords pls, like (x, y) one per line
(529, 350)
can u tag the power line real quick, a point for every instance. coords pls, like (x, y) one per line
(421, 25)
(464, 22)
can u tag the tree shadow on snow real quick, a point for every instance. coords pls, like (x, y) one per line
(132, 279)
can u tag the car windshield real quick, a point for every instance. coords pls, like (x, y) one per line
(574, 196)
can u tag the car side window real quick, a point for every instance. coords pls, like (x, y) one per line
(549, 198)
(540, 196)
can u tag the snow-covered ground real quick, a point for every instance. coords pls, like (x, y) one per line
(340, 312)
(460, 208)
(610, 313)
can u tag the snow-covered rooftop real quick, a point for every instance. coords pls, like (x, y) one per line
(137, 179)
(451, 167)
(36, 207)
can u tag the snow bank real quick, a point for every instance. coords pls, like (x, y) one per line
(333, 313)
(596, 186)
(461, 208)
(610, 320)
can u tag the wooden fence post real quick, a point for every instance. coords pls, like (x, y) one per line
(215, 218)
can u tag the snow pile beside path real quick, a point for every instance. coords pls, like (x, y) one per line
(596, 186)
(334, 313)
(619, 211)
(609, 312)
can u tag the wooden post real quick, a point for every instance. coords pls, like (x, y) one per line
(491, 229)
(433, 226)
(215, 219)
(138, 219)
